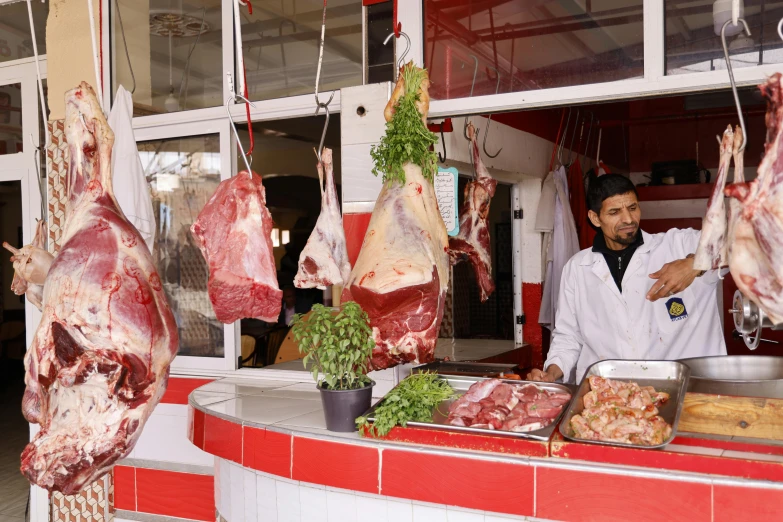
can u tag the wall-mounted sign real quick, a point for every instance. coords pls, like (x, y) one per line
(446, 193)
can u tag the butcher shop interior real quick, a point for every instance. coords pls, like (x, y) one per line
(391, 260)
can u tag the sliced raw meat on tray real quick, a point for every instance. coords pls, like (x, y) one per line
(234, 233)
(324, 260)
(495, 405)
(99, 361)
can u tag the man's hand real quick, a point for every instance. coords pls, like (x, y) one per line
(672, 278)
(550, 375)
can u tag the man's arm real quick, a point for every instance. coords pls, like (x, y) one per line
(567, 337)
(678, 275)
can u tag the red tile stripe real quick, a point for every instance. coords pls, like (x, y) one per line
(267, 451)
(345, 466)
(470, 441)
(737, 504)
(179, 389)
(168, 493)
(223, 438)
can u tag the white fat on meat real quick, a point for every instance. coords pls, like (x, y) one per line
(324, 260)
(31, 265)
(99, 361)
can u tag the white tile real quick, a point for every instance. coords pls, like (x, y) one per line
(313, 502)
(177, 410)
(237, 493)
(165, 438)
(496, 518)
(265, 410)
(423, 513)
(694, 450)
(464, 516)
(266, 499)
(341, 507)
(314, 419)
(304, 390)
(399, 510)
(235, 386)
(225, 488)
(249, 497)
(366, 504)
(206, 398)
(288, 503)
(747, 455)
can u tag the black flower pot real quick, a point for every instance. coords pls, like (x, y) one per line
(341, 407)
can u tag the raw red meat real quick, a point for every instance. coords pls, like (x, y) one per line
(324, 260)
(234, 233)
(472, 241)
(31, 265)
(756, 248)
(99, 362)
(402, 273)
(546, 409)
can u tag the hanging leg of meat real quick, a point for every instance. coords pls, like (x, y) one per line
(472, 242)
(31, 265)
(711, 253)
(234, 233)
(324, 260)
(99, 361)
(756, 253)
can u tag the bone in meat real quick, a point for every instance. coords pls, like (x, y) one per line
(324, 260)
(711, 252)
(99, 361)
(31, 264)
(472, 241)
(234, 233)
(402, 273)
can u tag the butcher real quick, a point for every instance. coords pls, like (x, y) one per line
(633, 295)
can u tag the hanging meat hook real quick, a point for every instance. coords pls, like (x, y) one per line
(318, 102)
(731, 77)
(442, 158)
(571, 145)
(563, 138)
(231, 99)
(472, 86)
(489, 118)
(401, 59)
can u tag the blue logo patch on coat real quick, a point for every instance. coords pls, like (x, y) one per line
(676, 309)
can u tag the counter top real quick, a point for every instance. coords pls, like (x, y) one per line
(278, 427)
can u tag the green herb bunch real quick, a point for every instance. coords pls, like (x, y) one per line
(338, 343)
(407, 139)
(411, 400)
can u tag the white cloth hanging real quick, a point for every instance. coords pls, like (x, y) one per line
(545, 215)
(130, 184)
(564, 244)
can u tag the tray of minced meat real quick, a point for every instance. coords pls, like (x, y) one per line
(628, 403)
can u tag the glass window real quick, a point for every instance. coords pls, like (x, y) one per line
(183, 173)
(11, 135)
(175, 54)
(15, 40)
(693, 41)
(280, 47)
(474, 47)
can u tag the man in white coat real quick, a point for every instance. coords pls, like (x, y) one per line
(633, 295)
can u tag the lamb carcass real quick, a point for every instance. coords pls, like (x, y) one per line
(31, 265)
(99, 362)
(233, 232)
(402, 273)
(756, 248)
(324, 260)
(711, 252)
(472, 241)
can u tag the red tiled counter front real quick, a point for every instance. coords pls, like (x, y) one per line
(692, 480)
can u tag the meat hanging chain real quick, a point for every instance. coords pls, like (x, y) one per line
(472, 241)
(99, 361)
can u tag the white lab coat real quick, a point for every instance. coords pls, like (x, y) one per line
(595, 321)
(564, 242)
(130, 184)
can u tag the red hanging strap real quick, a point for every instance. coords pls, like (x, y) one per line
(397, 25)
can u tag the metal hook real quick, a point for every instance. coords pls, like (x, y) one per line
(125, 44)
(442, 159)
(562, 142)
(589, 134)
(326, 125)
(731, 77)
(318, 102)
(571, 146)
(472, 86)
(401, 59)
(780, 28)
(489, 120)
(234, 128)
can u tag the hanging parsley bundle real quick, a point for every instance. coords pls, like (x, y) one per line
(407, 139)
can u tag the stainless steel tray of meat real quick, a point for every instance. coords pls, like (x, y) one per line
(467, 369)
(460, 385)
(665, 376)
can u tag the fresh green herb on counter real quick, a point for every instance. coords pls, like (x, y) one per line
(412, 400)
(407, 139)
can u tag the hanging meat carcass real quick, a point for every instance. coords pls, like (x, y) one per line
(31, 264)
(234, 233)
(402, 273)
(472, 241)
(99, 362)
(324, 260)
(755, 253)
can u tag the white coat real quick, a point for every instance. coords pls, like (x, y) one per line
(595, 321)
(130, 185)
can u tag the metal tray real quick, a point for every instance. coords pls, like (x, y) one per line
(738, 375)
(461, 384)
(469, 369)
(667, 376)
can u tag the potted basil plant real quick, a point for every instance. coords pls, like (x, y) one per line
(338, 344)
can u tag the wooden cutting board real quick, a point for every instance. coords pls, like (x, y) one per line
(732, 416)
